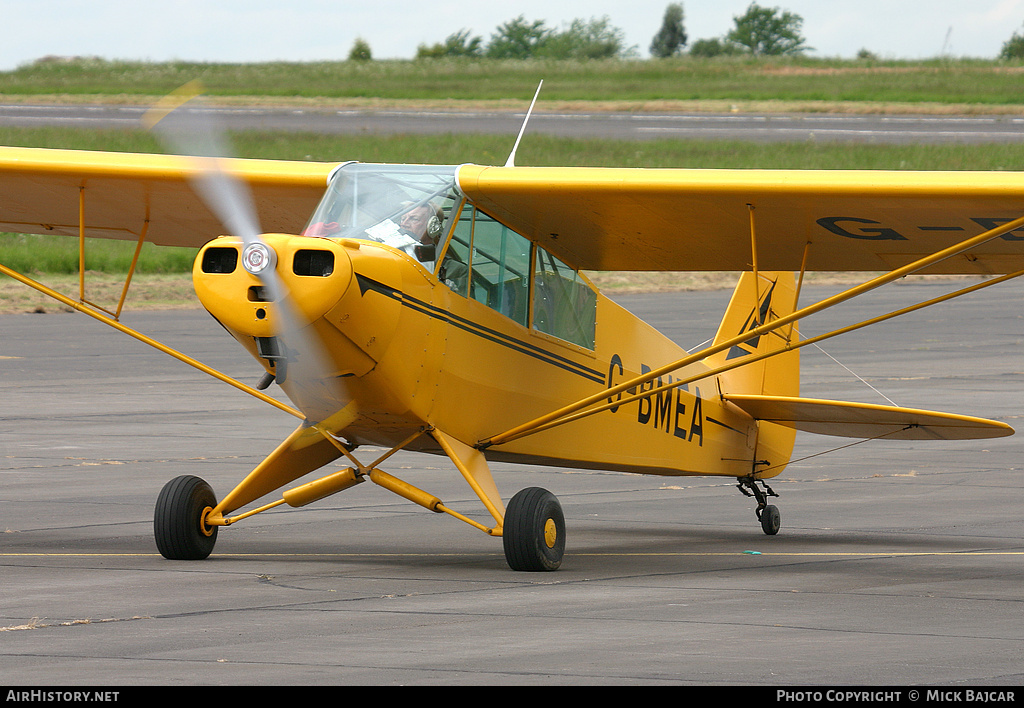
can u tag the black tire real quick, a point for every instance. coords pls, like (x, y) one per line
(771, 520)
(533, 533)
(178, 519)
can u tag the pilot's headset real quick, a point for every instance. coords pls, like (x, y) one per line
(427, 252)
(434, 223)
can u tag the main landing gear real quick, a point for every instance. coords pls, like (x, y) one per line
(533, 535)
(767, 514)
(534, 531)
(179, 520)
(187, 514)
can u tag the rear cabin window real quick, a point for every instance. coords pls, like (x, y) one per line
(564, 305)
(494, 265)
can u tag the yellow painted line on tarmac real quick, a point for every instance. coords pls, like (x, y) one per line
(40, 554)
(837, 554)
(638, 554)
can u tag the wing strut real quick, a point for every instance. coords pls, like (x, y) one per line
(116, 314)
(105, 319)
(754, 266)
(753, 260)
(753, 358)
(576, 410)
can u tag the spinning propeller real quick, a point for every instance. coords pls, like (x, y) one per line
(302, 366)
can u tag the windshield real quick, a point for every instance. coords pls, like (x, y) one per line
(403, 206)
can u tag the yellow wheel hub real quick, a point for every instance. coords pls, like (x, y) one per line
(550, 533)
(203, 526)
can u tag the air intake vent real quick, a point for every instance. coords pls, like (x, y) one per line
(267, 348)
(220, 260)
(312, 262)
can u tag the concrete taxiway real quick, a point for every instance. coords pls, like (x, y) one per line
(754, 127)
(897, 563)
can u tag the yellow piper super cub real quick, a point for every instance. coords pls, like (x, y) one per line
(442, 309)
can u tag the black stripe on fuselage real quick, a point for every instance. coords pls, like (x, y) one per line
(728, 427)
(479, 330)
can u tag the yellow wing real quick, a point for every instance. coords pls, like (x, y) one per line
(40, 192)
(685, 220)
(593, 218)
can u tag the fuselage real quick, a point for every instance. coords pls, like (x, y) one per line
(481, 334)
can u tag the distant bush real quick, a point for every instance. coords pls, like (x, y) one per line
(714, 47)
(1013, 48)
(458, 44)
(360, 51)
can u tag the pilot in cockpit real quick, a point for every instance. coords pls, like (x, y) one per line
(416, 232)
(422, 225)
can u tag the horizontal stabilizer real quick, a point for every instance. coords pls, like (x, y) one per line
(864, 420)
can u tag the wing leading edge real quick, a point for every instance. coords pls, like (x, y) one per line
(120, 192)
(688, 220)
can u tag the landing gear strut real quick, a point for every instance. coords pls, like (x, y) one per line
(767, 514)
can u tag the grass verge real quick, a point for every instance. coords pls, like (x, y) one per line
(147, 292)
(802, 79)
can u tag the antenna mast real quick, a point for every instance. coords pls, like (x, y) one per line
(511, 161)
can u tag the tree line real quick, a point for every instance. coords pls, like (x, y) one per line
(760, 31)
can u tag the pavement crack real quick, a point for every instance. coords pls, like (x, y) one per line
(36, 623)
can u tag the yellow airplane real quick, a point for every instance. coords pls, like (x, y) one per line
(444, 309)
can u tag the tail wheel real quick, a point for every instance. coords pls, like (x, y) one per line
(178, 520)
(767, 514)
(533, 533)
(771, 520)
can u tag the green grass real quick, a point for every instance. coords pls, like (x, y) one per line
(37, 254)
(977, 82)
(542, 150)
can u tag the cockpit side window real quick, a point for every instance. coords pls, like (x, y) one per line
(454, 271)
(489, 263)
